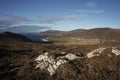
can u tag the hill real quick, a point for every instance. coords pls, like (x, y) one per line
(84, 36)
(96, 33)
(6, 36)
(25, 60)
(53, 33)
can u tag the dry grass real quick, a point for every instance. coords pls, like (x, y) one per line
(17, 62)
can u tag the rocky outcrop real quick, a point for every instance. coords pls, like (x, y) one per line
(53, 61)
(95, 52)
(115, 51)
(99, 51)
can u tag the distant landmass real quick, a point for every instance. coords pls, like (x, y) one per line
(96, 33)
(53, 33)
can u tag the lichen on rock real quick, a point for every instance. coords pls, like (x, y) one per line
(51, 63)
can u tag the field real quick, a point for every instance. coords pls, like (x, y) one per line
(77, 41)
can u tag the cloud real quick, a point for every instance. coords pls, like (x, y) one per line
(17, 18)
(27, 28)
(2, 28)
(52, 20)
(71, 16)
(85, 11)
(9, 20)
(20, 24)
(90, 4)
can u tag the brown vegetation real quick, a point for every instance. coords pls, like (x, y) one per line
(17, 62)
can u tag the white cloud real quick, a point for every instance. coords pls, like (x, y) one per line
(20, 24)
(90, 4)
(71, 16)
(27, 28)
(52, 20)
(2, 28)
(9, 20)
(90, 11)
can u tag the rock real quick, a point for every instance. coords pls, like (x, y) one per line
(99, 51)
(95, 52)
(71, 56)
(115, 51)
(51, 63)
(51, 69)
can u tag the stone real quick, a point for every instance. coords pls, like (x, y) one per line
(71, 56)
(51, 63)
(95, 52)
(115, 51)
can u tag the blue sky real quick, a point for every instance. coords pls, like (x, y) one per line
(38, 15)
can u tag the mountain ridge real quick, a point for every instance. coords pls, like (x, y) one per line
(95, 33)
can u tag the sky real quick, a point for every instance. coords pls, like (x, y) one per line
(65, 15)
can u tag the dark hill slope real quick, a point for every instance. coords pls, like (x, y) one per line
(13, 36)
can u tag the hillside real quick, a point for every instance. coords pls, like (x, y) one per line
(96, 33)
(53, 33)
(24, 60)
(85, 36)
(6, 36)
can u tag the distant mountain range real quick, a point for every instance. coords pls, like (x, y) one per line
(96, 33)
(53, 33)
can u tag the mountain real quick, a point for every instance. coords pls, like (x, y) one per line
(13, 36)
(96, 33)
(53, 33)
(107, 34)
